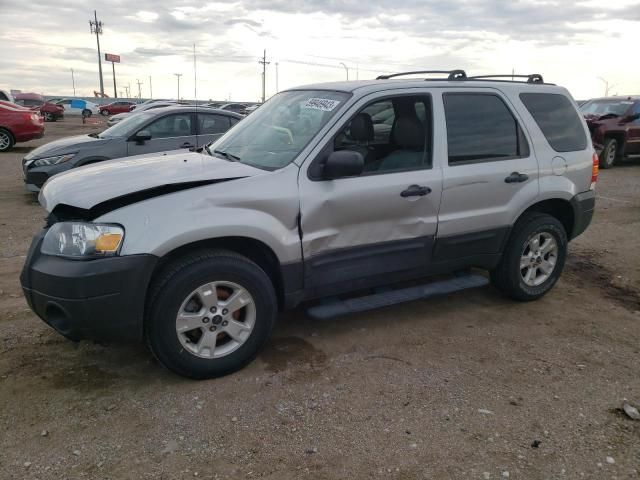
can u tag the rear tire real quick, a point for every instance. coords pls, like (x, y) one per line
(86, 113)
(533, 259)
(6, 140)
(48, 117)
(187, 322)
(609, 154)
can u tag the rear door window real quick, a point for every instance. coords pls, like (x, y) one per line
(558, 119)
(213, 124)
(481, 128)
(171, 126)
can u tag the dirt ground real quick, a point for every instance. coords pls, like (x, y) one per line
(453, 388)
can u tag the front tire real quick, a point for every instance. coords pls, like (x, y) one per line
(48, 117)
(105, 113)
(6, 140)
(533, 259)
(86, 113)
(210, 313)
(609, 153)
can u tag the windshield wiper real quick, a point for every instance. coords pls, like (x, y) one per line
(227, 155)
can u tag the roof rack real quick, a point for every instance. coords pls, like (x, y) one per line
(533, 78)
(451, 74)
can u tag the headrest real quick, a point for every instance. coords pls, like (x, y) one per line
(408, 133)
(362, 128)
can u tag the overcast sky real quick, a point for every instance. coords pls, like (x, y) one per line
(571, 44)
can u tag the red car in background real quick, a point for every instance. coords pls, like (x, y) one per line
(119, 106)
(50, 111)
(18, 124)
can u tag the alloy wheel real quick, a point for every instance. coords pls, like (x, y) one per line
(216, 319)
(5, 141)
(538, 259)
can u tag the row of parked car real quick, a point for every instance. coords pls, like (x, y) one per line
(17, 126)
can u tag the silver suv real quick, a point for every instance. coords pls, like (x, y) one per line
(326, 191)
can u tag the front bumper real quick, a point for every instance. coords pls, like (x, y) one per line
(100, 299)
(583, 205)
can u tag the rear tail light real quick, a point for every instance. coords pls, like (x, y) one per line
(594, 170)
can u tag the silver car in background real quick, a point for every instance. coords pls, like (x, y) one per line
(113, 119)
(151, 131)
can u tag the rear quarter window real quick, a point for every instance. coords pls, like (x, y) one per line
(558, 119)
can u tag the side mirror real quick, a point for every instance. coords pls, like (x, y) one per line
(632, 118)
(142, 136)
(345, 163)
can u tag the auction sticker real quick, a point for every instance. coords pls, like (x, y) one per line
(324, 104)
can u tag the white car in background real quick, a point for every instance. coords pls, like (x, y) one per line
(77, 106)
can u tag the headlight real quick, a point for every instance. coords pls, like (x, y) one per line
(42, 162)
(82, 240)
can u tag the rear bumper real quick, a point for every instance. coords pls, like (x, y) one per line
(99, 299)
(583, 207)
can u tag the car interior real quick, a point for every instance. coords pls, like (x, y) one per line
(391, 134)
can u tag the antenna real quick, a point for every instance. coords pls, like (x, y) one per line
(195, 94)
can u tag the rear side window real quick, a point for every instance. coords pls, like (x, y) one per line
(213, 124)
(558, 120)
(481, 128)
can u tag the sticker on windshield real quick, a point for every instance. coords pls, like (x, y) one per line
(324, 104)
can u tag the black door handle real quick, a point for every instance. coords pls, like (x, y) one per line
(516, 177)
(415, 191)
(186, 145)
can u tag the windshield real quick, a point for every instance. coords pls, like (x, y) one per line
(274, 135)
(602, 107)
(126, 127)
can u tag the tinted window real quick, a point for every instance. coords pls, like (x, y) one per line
(392, 134)
(171, 126)
(3, 97)
(212, 124)
(558, 120)
(481, 127)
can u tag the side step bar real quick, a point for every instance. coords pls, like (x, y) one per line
(393, 297)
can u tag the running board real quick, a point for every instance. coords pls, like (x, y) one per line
(385, 299)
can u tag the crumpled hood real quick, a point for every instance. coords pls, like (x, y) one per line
(88, 186)
(66, 145)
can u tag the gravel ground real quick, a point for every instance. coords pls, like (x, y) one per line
(459, 387)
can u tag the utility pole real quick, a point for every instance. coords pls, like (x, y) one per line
(178, 75)
(73, 82)
(139, 90)
(150, 88)
(126, 91)
(277, 89)
(96, 27)
(264, 73)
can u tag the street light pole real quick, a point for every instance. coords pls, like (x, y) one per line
(96, 27)
(150, 88)
(346, 69)
(73, 82)
(178, 75)
(277, 88)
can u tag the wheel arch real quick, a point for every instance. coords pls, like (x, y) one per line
(620, 137)
(8, 130)
(255, 250)
(559, 208)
